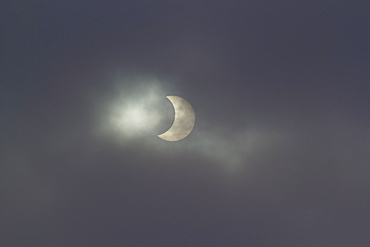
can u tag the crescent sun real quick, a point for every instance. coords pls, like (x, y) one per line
(184, 120)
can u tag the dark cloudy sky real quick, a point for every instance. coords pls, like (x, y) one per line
(279, 156)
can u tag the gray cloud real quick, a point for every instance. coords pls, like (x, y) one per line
(278, 157)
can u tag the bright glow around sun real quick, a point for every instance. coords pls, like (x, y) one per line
(136, 118)
(138, 111)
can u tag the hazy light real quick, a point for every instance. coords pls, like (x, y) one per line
(135, 118)
(136, 111)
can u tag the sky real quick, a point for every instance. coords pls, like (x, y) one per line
(279, 155)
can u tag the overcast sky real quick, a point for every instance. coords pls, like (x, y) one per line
(279, 155)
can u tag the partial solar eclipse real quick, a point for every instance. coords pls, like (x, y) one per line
(184, 120)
